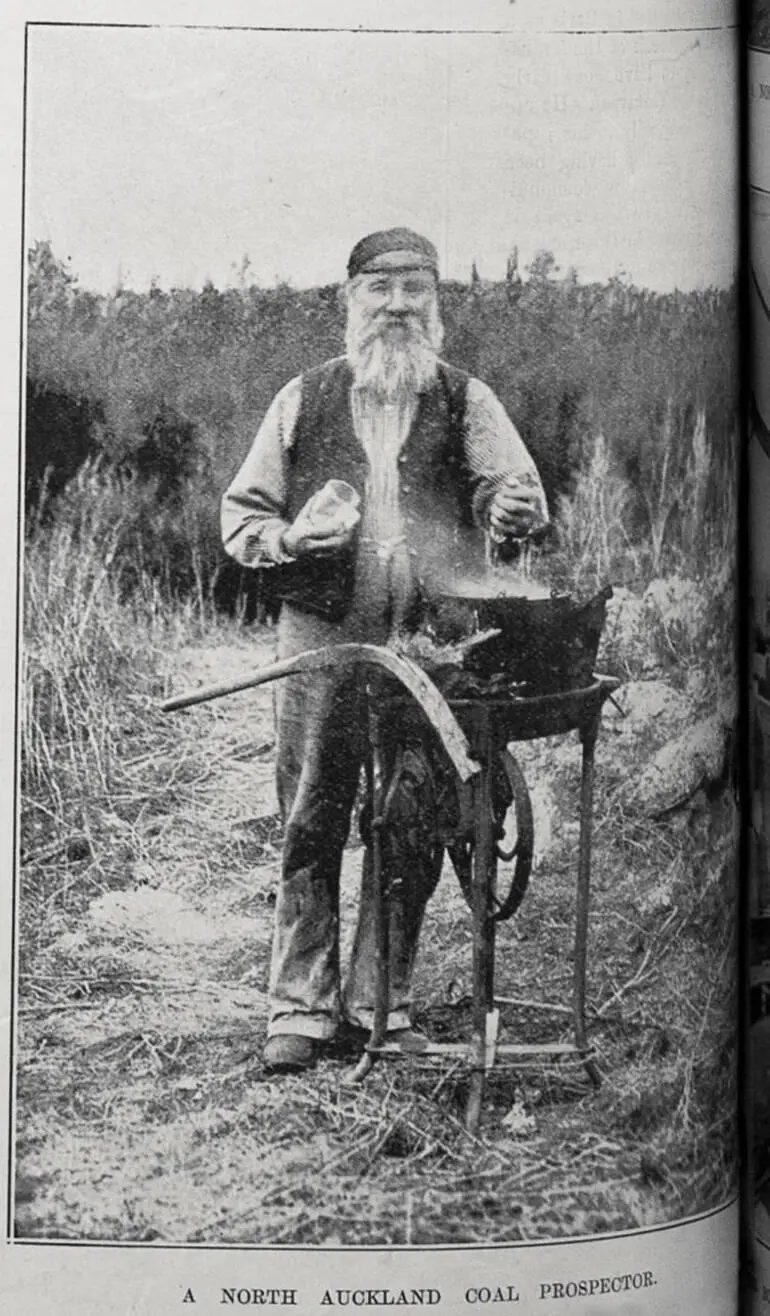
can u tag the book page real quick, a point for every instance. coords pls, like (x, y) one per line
(759, 459)
(323, 992)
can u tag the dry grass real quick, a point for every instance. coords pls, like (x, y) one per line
(610, 529)
(592, 525)
(151, 853)
(145, 1112)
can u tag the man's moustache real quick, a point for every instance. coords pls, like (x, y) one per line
(380, 328)
(408, 317)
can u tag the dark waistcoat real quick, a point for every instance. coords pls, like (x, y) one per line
(435, 486)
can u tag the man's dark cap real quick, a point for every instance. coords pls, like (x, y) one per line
(418, 252)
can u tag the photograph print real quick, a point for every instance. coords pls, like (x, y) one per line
(376, 875)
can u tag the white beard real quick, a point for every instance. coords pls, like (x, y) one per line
(397, 366)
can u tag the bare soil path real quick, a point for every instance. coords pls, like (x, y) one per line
(143, 1111)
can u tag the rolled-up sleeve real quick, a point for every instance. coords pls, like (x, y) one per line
(254, 505)
(495, 451)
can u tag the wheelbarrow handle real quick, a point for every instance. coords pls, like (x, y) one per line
(272, 672)
(410, 676)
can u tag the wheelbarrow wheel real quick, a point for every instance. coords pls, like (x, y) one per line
(512, 808)
(521, 852)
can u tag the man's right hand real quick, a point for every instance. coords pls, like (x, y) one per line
(317, 536)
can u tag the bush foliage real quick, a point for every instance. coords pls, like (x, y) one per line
(137, 1031)
(167, 388)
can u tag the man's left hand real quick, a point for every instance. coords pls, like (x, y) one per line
(516, 509)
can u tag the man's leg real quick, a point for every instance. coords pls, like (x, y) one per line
(318, 769)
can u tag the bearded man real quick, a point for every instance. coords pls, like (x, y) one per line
(437, 465)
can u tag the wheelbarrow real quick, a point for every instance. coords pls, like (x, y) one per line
(475, 736)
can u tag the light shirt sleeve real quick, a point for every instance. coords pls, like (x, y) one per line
(254, 505)
(495, 450)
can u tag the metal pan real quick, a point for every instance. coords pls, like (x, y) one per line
(548, 642)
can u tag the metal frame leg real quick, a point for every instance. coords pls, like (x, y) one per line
(484, 873)
(381, 888)
(588, 737)
(483, 882)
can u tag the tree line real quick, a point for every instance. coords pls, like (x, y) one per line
(164, 390)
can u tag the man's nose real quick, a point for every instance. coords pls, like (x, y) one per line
(397, 300)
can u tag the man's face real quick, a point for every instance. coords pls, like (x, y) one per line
(394, 330)
(397, 300)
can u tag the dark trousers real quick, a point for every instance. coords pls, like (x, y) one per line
(322, 747)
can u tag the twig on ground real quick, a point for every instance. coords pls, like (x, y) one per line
(529, 1004)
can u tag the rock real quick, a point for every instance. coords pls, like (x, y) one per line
(692, 760)
(653, 713)
(647, 702)
(675, 616)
